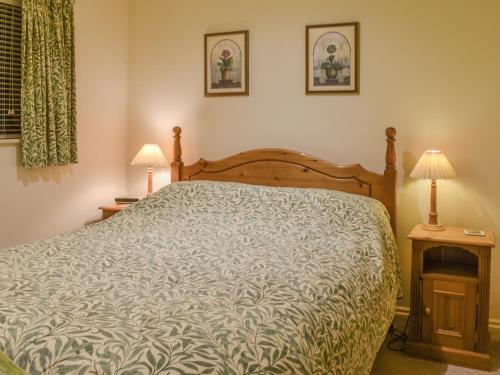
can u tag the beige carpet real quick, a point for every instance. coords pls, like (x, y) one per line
(392, 363)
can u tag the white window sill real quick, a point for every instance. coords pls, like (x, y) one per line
(9, 141)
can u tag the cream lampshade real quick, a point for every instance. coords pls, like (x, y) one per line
(151, 156)
(433, 166)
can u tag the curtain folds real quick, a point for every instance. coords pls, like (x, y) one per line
(48, 84)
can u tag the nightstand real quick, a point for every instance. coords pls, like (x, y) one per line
(450, 296)
(108, 211)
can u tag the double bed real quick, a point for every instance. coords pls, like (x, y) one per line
(216, 273)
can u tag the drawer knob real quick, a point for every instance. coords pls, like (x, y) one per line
(427, 311)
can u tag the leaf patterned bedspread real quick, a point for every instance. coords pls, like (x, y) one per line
(206, 278)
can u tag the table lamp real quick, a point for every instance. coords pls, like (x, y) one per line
(433, 166)
(151, 156)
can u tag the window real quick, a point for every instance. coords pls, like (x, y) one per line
(10, 68)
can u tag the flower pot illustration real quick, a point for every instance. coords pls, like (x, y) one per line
(331, 72)
(226, 75)
(225, 65)
(331, 66)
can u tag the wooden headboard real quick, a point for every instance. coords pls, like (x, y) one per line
(279, 167)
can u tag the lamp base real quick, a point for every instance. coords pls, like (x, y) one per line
(433, 227)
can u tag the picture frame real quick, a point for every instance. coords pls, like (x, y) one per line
(227, 63)
(332, 59)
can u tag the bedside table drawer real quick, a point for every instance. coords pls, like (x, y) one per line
(449, 317)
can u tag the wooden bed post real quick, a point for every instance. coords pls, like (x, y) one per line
(177, 164)
(390, 176)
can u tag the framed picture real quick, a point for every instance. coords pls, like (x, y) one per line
(332, 59)
(226, 63)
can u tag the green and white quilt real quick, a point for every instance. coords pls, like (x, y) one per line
(206, 278)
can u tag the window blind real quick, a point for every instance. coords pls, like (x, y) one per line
(10, 69)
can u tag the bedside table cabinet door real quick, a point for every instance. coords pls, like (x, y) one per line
(449, 313)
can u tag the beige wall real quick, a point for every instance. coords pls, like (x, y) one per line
(430, 68)
(40, 203)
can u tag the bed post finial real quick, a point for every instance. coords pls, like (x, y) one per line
(177, 164)
(390, 176)
(390, 154)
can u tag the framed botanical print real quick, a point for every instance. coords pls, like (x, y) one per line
(332, 59)
(226, 63)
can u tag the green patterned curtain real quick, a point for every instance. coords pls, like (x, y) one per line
(48, 84)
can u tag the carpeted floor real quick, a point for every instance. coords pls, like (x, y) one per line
(395, 363)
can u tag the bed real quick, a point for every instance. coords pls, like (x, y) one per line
(267, 262)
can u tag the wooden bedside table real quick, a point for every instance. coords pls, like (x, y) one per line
(450, 296)
(108, 211)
